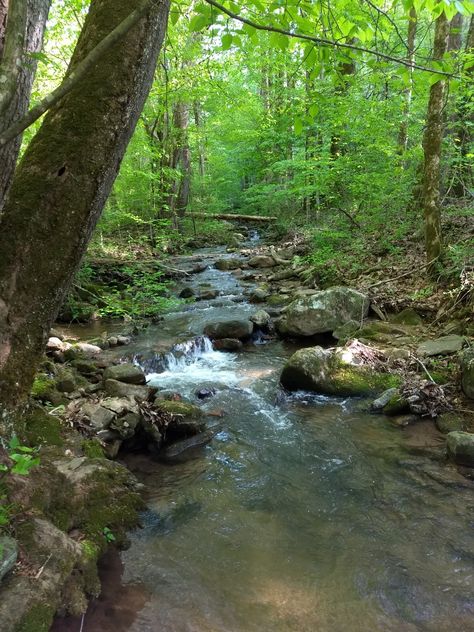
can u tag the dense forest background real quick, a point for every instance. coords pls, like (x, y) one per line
(327, 139)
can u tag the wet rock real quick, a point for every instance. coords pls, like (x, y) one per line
(199, 267)
(379, 404)
(397, 405)
(333, 372)
(262, 261)
(467, 372)
(208, 295)
(229, 329)
(261, 318)
(445, 345)
(205, 393)
(449, 422)
(66, 381)
(181, 409)
(187, 292)
(227, 344)
(324, 312)
(227, 264)
(187, 448)
(125, 426)
(407, 316)
(123, 340)
(114, 388)
(128, 373)
(98, 416)
(113, 341)
(460, 447)
(258, 295)
(8, 555)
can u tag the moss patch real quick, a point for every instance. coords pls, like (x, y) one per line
(92, 449)
(39, 619)
(42, 428)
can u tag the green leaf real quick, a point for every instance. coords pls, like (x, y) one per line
(226, 41)
(298, 126)
(198, 22)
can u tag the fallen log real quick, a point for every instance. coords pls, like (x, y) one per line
(231, 216)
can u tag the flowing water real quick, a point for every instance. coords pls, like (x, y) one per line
(304, 514)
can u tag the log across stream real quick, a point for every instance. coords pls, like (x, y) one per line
(304, 514)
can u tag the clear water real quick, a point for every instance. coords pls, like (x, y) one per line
(304, 514)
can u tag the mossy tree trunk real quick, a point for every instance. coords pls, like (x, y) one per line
(432, 141)
(63, 181)
(411, 36)
(15, 93)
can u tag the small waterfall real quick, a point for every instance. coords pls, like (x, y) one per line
(186, 353)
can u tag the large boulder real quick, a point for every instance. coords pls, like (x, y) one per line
(324, 311)
(129, 373)
(467, 372)
(227, 344)
(229, 329)
(262, 261)
(460, 447)
(333, 372)
(114, 388)
(261, 318)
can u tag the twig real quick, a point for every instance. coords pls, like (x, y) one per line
(82, 622)
(423, 367)
(405, 274)
(40, 572)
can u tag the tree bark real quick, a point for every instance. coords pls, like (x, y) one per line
(63, 181)
(19, 98)
(432, 141)
(403, 133)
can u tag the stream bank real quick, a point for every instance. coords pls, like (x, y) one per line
(292, 486)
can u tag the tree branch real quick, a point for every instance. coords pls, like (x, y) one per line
(321, 41)
(77, 73)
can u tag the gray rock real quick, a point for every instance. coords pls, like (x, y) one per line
(88, 349)
(128, 373)
(126, 426)
(8, 555)
(186, 448)
(119, 405)
(445, 345)
(262, 261)
(407, 316)
(467, 372)
(98, 416)
(227, 264)
(113, 341)
(227, 344)
(56, 344)
(229, 329)
(123, 340)
(114, 388)
(324, 311)
(460, 447)
(379, 404)
(258, 295)
(261, 318)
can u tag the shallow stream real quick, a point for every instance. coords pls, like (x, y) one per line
(304, 514)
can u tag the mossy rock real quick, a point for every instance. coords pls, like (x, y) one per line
(449, 422)
(397, 405)
(407, 316)
(42, 385)
(183, 409)
(276, 300)
(84, 366)
(326, 371)
(41, 428)
(92, 449)
(39, 618)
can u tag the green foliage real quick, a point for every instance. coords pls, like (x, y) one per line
(108, 535)
(23, 459)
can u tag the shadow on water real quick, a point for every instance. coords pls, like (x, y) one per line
(304, 514)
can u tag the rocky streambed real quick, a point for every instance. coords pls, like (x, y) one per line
(266, 508)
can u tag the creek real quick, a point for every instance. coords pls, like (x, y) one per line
(305, 513)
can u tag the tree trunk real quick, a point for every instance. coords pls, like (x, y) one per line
(432, 141)
(63, 181)
(18, 101)
(403, 133)
(345, 70)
